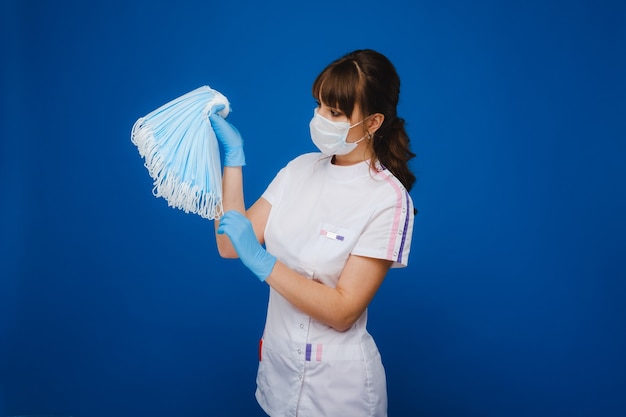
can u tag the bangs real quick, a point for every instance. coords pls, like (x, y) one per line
(338, 86)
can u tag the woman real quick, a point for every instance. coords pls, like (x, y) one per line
(333, 223)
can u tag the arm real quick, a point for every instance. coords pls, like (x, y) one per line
(232, 184)
(338, 307)
(257, 215)
(232, 199)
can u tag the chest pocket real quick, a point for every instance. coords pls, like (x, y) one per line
(333, 246)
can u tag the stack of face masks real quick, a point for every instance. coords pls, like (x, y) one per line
(181, 152)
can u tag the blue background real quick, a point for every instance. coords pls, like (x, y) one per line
(114, 304)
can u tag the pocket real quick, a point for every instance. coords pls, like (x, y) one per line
(341, 235)
(334, 245)
(275, 382)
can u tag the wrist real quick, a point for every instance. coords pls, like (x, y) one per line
(235, 157)
(266, 266)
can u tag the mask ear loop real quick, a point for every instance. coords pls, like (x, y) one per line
(369, 134)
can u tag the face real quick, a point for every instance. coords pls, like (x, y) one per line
(336, 115)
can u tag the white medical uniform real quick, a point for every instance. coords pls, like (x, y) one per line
(321, 214)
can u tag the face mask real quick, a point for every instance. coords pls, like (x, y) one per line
(330, 137)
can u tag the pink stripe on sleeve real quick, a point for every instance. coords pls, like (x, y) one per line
(396, 218)
(395, 249)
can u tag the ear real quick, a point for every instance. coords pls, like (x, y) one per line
(374, 122)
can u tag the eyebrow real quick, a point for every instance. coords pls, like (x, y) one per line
(332, 108)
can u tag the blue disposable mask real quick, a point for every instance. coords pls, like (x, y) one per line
(330, 137)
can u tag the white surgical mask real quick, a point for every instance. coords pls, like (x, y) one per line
(330, 137)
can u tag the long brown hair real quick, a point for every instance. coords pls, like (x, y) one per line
(368, 78)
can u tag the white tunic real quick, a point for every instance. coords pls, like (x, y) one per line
(321, 213)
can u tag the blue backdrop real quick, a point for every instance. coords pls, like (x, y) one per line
(114, 304)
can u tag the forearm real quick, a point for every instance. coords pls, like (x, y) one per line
(232, 199)
(325, 304)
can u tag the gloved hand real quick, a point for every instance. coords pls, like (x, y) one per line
(229, 137)
(239, 229)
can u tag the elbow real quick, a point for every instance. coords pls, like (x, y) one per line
(345, 323)
(347, 312)
(227, 253)
(225, 248)
(341, 328)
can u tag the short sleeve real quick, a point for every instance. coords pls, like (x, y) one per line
(389, 233)
(274, 191)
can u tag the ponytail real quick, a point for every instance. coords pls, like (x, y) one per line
(391, 146)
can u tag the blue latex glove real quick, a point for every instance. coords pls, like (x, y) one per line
(239, 229)
(229, 137)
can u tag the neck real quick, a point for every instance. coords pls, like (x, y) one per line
(356, 156)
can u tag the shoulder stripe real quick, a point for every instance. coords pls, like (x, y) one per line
(400, 225)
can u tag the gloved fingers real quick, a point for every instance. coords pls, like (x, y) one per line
(234, 217)
(225, 227)
(217, 108)
(220, 109)
(225, 132)
(241, 233)
(234, 223)
(222, 229)
(218, 122)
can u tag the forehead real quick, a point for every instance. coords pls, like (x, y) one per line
(355, 113)
(338, 86)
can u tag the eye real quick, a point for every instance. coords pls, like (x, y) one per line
(335, 113)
